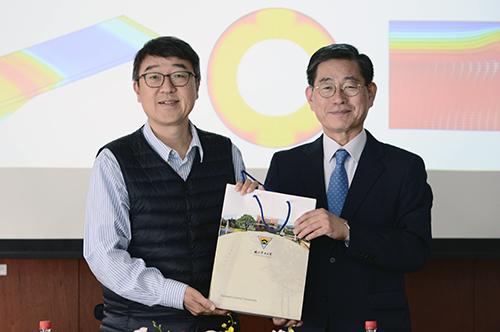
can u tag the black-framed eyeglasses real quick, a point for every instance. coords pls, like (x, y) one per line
(178, 78)
(327, 90)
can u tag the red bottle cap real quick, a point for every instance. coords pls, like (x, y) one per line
(45, 324)
(370, 324)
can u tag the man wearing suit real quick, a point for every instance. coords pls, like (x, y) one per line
(358, 257)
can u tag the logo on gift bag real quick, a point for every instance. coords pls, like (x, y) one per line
(264, 241)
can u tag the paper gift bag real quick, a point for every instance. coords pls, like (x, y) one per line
(260, 265)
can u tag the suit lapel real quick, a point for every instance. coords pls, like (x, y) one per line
(367, 172)
(312, 172)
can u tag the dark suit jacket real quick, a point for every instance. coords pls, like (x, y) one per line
(388, 208)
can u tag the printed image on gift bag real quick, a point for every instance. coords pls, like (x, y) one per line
(260, 265)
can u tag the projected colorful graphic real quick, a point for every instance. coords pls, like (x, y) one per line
(260, 129)
(444, 75)
(40, 68)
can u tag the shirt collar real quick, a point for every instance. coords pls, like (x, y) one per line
(354, 147)
(164, 150)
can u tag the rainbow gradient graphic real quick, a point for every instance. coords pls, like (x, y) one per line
(26, 74)
(444, 75)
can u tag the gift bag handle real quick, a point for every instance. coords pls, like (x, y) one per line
(264, 219)
(243, 173)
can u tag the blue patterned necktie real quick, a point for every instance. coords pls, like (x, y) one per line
(338, 186)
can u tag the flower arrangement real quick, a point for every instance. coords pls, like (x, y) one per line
(226, 327)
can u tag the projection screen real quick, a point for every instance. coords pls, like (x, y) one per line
(66, 90)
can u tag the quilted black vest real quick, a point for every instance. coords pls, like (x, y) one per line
(174, 222)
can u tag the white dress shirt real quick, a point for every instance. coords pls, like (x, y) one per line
(107, 227)
(354, 147)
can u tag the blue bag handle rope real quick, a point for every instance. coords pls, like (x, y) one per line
(264, 219)
(260, 205)
(243, 173)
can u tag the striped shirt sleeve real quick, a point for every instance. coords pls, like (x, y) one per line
(107, 236)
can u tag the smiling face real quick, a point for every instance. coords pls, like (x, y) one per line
(341, 117)
(167, 106)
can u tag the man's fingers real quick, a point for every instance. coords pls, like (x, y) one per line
(220, 312)
(286, 323)
(279, 321)
(238, 186)
(246, 187)
(196, 303)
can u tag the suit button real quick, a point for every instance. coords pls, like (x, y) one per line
(332, 260)
(326, 299)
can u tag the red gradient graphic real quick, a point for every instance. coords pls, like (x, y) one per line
(449, 90)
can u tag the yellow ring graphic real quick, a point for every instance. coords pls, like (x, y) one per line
(264, 130)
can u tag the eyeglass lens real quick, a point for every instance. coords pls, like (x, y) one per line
(155, 80)
(327, 90)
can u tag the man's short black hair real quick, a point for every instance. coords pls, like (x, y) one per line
(340, 52)
(166, 47)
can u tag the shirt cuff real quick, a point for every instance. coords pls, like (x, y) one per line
(348, 237)
(174, 294)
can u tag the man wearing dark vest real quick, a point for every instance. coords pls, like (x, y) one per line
(155, 202)
(373, 218)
